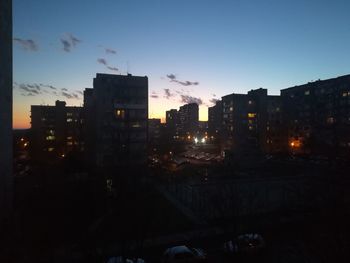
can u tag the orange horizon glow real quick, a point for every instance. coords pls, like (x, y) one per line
(21, 113)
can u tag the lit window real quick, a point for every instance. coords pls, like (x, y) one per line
(69, 143)
(330, 120)
(307, 92)
(251, 115)
(250, 102)
(50, 149)
(50, 138)
(120, 114)
(251, 128)
(231, 108)
(135, 125)
(69, 114)
(69, 120)
(51, 132)
(69, 138)
(277, 109)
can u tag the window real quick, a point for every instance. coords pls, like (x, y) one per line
(251, 115)
(307, 92)
(50, 149)
(120, 114)
(50, 138)
(69, 120)
(250, 102)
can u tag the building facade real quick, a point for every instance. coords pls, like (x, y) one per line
(117, 120)
(251, 123)
(6, 185)
(317, 117)
(188, 119)
(215, 120)
(56, 131)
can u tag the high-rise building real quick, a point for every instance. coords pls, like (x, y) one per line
(172, 123)
(251, 122)
(116, 123)
(188, 119)
(154, 131)
(6, 185)
(55, 131)
(215, 120)
(317, 117)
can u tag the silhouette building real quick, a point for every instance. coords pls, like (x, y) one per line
(252, 123)
(116, 127)
(188, 119)
(317, 117)
(55, 131)
(172, 123)
(6, 185)
(215, 120)
(154, 131)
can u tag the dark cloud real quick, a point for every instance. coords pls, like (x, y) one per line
(104, 62)
(213, 100)
(154, 95)
(29, 94)
(173, 78)
(64, 89)
(110, 51)
(187, 83)
(69, 41)
(29, 88)
(51, 87)
(26, 44)
(168, 94)
(112, 68)
(190, 99)
(67, 95)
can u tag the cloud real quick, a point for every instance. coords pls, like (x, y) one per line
(213, 100)
(110, 51)
(79, 92)
(29, 88)
(189, 99)
(154, 95)
(104, 62)
(187, 83)
(168, 94)
(214, 95)
(34, 89)
(69, 41)
(26, 44)
(172, 78)
(112, 68)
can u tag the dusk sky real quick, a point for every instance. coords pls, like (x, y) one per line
(190, 50)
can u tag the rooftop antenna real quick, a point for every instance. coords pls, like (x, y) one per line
(127, 68)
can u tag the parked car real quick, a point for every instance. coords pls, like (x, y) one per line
(183, 254)
(245, 244)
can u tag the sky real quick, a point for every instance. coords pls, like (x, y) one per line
(191, 50)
